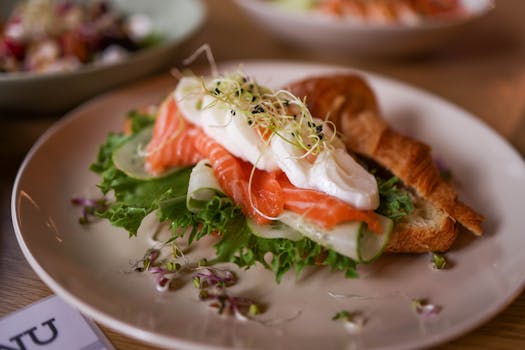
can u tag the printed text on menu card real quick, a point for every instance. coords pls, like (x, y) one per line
(50, 324)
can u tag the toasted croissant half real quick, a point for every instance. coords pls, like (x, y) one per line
(351, 105)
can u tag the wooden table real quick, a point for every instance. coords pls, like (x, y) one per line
(483, 71)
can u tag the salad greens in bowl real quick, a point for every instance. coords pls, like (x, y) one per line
(56, 54)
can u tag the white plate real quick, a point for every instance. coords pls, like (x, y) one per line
(91, 267)
(175, 20)
(317, 31)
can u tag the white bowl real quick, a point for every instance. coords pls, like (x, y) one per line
(324, 32)
(54, 93)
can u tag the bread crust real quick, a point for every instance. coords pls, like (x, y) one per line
(349, 102)
(427, 229)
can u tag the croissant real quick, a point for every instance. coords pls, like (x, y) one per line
(349, 102)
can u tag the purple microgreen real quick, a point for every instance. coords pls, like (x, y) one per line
(438, 261)
(175, 252)
(149, 260)
(239, 306)
(196, 282)
(254, 309)
(172, 266)
(164, 278)
(353, 321)
(208, 277)
(156, 269)
(163, 283)
(211, 283)
(425, 309)
(153, 255)
(89, 207)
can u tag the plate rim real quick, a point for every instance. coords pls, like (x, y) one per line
(165, 341)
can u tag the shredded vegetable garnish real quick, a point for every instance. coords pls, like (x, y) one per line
(425, 309)
(89, 207)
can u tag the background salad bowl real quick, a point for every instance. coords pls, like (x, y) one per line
(319, 31)
(52, 93)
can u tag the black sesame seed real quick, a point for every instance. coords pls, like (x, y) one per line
(258, 109)
(217, 91)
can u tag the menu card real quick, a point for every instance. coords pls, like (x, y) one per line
(50, 324)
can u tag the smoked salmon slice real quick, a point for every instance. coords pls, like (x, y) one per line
(323, 209)
(172, 141)
(176, 142)
(262, 200)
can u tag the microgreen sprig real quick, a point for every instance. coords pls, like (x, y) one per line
(270, 113)
(89, 207)
(425, 309)
(439, 261)
(353, 321)
(212, 283)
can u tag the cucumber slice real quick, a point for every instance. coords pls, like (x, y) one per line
(276, 229)
(352, 239)
(128, 157)
(371, 244)
(202, 186)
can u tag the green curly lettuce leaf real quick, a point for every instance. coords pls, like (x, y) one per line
(238, 245)
(134, 199)
(395, 201)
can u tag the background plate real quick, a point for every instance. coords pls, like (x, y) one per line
(90, 267)
(316, 31)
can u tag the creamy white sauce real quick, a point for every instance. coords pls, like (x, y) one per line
(218, 122)
(334, 171)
